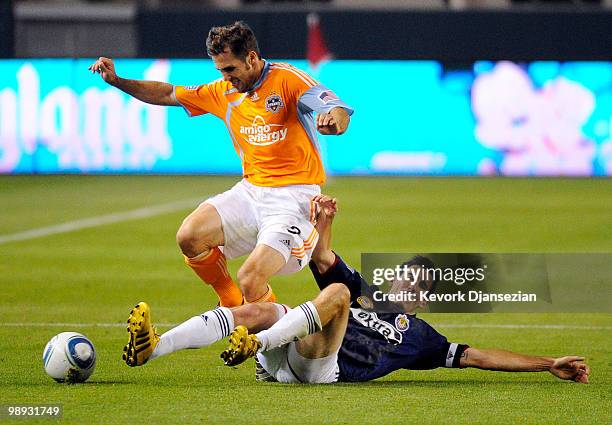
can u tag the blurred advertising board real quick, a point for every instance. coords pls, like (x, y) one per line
(411, 117)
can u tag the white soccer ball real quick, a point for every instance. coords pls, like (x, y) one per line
(69, 357)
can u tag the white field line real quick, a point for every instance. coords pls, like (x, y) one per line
(74, 325)
(439, 325)
(100, 220)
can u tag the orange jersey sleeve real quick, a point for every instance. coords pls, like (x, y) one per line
(203, 99)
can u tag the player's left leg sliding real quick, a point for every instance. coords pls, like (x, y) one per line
(145, 344)
(199, 331)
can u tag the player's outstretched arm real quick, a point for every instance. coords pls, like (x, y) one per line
(153, 92)
(568, 368)
(335, 122)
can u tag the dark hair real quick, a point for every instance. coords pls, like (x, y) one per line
(237, 37)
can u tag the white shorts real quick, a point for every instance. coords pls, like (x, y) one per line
(286, 365)
(280, 217)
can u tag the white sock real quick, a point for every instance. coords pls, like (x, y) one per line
(297, 323)
(281, 310)
(199, 331)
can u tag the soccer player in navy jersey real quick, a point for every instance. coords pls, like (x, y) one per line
(343, 334)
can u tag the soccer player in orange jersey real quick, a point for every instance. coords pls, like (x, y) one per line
(269, 110)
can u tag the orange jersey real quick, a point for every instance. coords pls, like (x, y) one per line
(273, 133)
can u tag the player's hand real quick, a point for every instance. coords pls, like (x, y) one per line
(326, 124)
(106, 68)
(327, 206)
(571, 368)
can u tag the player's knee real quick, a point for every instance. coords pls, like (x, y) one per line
(339, 295)
(187, 240)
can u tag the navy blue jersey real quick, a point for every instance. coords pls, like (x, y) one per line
(375, 343)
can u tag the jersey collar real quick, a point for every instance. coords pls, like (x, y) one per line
(262, 77)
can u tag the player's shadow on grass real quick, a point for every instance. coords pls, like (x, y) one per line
(125, 381)
(80, 384)
(446, 382)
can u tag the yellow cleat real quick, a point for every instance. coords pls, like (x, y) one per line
(242, 346)
(143, 336)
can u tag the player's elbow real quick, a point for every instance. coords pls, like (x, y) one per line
(169, 99)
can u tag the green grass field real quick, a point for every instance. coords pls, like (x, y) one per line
(87, 280)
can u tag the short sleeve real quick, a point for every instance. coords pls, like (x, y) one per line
(321, 100)
(199, 100)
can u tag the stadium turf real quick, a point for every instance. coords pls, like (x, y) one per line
(87, 280)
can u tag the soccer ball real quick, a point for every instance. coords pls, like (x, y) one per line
(69, 357)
